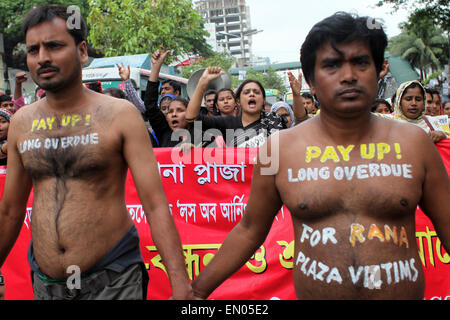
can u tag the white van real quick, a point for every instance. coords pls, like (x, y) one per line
(106, 71)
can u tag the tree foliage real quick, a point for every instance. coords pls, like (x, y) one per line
(269, 79)
(422, 44)
(437, 10)
(124, 27)
(215, 60)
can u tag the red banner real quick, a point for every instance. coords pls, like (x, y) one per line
(207, 195)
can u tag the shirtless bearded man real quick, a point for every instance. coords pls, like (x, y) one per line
(74, 148)
(351, 180)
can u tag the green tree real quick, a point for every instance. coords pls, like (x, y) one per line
(215, 60)
(422, 44)
(12, 13)
(123, 27)
(269, 79)
(437, 10)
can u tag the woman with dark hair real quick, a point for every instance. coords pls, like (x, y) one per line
(381, 106)
(225, 102)
(252, 127)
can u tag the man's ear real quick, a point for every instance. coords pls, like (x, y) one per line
(82, 51)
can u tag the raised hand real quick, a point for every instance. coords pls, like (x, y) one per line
(296, 84)
(123, 71)
(159, 56)
(21, 77)
(212, 73)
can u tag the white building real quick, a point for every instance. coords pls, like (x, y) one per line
(232, 32)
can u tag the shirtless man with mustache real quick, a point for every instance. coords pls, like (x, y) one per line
(351, 180)
(74, 148)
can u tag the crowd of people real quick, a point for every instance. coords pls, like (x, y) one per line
(234, 118)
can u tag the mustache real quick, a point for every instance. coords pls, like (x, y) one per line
(350, 88)
(46, 68)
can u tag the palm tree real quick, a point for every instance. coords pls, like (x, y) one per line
(422, 44)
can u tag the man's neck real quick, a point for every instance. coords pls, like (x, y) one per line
(346, 130)
(68, 99)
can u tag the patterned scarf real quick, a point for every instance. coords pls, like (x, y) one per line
(398, 113)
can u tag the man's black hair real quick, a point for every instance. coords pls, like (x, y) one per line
(48, 12)
(307, 95)
(115, 92)
(174, 84)
(342, 28)
(4, 98)
(211, 91)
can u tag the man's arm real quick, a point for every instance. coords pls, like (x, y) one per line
(151, 93)
(435, 190)
(247, 236)
(131, 93)
(18, 99)
(300, 113)
(15, 194)
(138, 153)
(210, 74)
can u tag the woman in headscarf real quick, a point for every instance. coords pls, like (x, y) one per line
(285, 112)
(410, 105)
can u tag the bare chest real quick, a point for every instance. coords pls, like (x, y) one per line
(70, 145)
(370, 178)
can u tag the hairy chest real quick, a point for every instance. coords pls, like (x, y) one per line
(69, 145)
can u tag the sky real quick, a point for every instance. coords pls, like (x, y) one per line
(285, 23)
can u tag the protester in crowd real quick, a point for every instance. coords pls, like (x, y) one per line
(429, 101)
(79, 213)
(410, 105)
(165, 102)
(267, 107)
(115, 92)
(308, 101)
(5, 119)
(130, 91)
(381, 106)
(165, 125)
(169, 88)
(19, 100)
(340, 251)
(298, 103)
(210, 107)
(284, 110)
(225, 102)
(171, 129)
(6, 102)
(446, 109)
(437, 103)
(254, 124)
